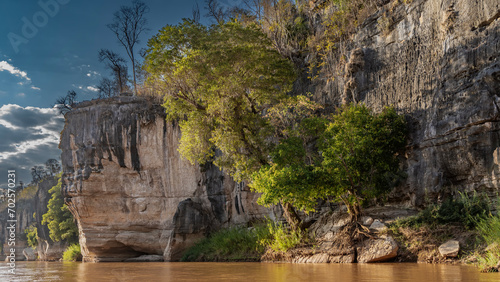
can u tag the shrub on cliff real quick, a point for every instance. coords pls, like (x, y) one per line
(58, 217)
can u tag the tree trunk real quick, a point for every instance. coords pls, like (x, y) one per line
(133, 71)
(291, 216)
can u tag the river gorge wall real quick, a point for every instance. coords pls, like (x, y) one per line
(132, 193)
(436, 61)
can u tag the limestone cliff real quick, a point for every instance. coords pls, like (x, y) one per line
(437, 62)
(132, 193)
(29, 210)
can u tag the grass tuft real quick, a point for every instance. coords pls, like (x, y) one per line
(73, 253)
(233, 244)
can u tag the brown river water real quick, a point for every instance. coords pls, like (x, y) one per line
(145, 272)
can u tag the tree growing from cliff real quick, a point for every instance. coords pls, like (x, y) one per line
(360, 155)
(217, 82)
(119, 70)
(66, 103)
(358, 160)
(58, 218)
(290, 176)
(128, 25)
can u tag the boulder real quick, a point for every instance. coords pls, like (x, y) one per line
(30, 254)
(450, 249)
(377, 250)
(366, 220)
(378, 225)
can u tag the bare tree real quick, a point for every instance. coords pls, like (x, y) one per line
(107, 88)
(66, 103)
(196, 13)
(215, 11)
(128, 24)
(117, 65)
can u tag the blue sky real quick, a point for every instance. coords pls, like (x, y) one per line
(48, 47)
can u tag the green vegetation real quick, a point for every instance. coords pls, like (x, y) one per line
(358, 160)
(360, 155)
(458, 219)
(233, 244)
(32, 235)
(73, 253)
(28, 193)
(463, 210)
(58, 217)
(282, 239)
(217, 81)
(489, 229)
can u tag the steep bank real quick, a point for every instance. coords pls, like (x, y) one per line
(438, 63)
(30, 207)
(131, 192)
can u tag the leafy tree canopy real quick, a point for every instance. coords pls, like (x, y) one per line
(360, 154)
(218, 81)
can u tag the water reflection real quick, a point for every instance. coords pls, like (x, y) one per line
(142, 272)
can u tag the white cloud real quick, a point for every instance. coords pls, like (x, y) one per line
(35, 88)
(5, 66)
(30, 136)
(21, 95)
(92, 88)
(88, 74)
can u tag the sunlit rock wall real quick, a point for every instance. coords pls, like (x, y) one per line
(130, 190)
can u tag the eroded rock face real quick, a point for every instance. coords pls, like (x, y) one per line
(437, 62)
(132, 193)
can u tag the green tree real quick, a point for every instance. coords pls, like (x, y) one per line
(290, 176)
(218, 81)
(358, 159)
(58, 217)
(32, 235)
(360, 155)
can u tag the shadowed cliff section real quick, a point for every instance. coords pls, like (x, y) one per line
(132, 193)
(438, 63)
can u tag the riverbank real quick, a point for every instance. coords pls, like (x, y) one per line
(449, 233)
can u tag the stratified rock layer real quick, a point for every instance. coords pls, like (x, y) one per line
(132, 193)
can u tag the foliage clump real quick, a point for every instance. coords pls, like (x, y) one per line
(282, 239)
(233, 244)
(489, 230)
(466, 211)
(217, 82)
(58, 218)
(358, 160)
(72, 253)
(31, 235)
